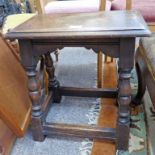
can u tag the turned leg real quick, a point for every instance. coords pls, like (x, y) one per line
(53, 83)
(125, 65)
(124, 99)
(34, 87)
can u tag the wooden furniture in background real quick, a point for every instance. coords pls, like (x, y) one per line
(145, 66)
(45, 33)
(15, 104)
(71, 6)
(8, 132)
(14, 20)
(145, 7)
(76, 6)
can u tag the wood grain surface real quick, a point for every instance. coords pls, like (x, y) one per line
(15, 104)
(7, 138)
(101, 24)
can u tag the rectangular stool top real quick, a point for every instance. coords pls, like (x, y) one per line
(89, 25)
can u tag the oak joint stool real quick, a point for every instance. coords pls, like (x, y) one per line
(111, 32)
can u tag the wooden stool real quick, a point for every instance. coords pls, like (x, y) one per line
(115, 38)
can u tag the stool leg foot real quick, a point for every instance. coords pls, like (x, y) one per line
(37, 130)
(53, 82)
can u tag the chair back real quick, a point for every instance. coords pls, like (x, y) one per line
(26, 6)
(40, 4)
(102, 5)
(128, 4)
(33, 5)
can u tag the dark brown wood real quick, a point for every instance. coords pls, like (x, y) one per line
(111, 32)
(35, 95)
(124, 95)
(34, 87)
(94, 132)
(90, 25)
(88, 92)
(53, 82)
(42, 46)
